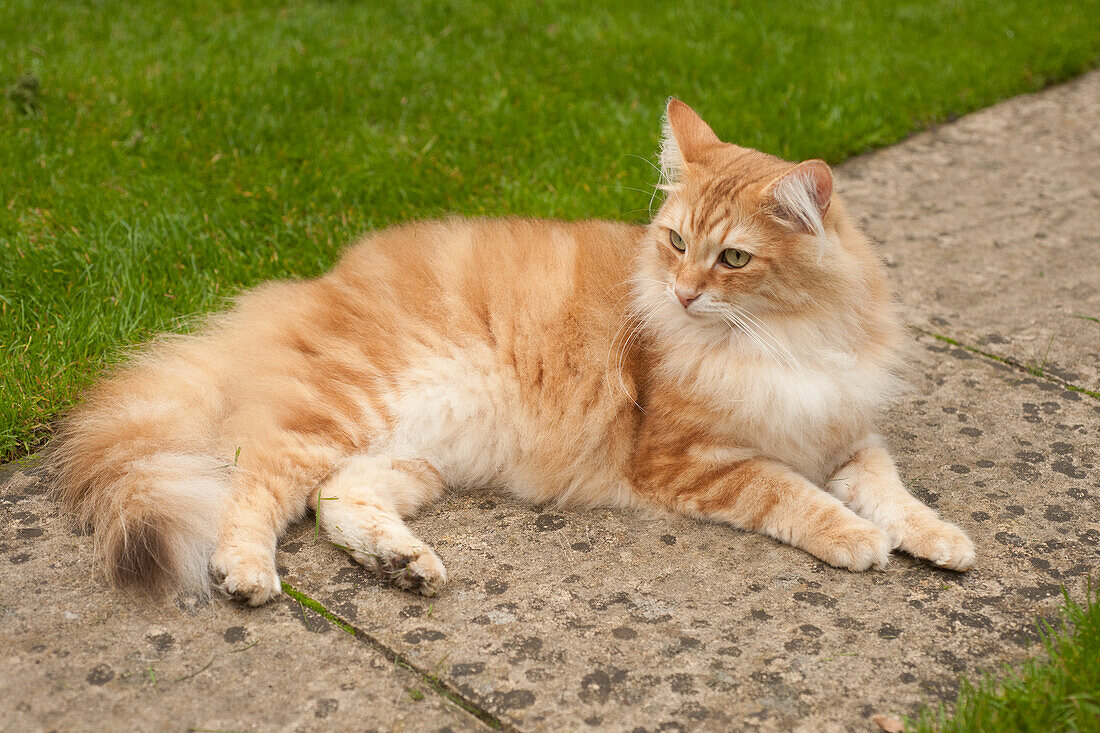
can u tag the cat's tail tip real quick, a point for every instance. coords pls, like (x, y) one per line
(153, 520)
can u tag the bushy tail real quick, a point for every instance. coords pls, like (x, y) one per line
(134, 469)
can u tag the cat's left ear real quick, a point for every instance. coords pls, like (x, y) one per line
(802, 196)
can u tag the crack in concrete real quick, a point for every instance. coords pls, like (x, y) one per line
(1010, 362)
(434, 682)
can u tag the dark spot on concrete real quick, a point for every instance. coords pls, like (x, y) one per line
(514, 700)
(682, 683)
(1009, 539)
(523, 647)
(766, 678)
(972, 432)
(624, 632)
(979, 516)
(481, 620)
(549, 522)
(292, 547)
(487, 505)
(1030, 456)
(811, 631)
(348, 575)
(971, 620)
(668, 539)
(1065, 467)
(423, 634)
(1056, 513)
(760, 614)
(20, 558)
(945, 690)
(463, 670)
(985, 464)
(495, 587)
(887, 631)
(1078, 493)
(596, 686)
(802, 646)
(412, 611)
(594, 721)
(101, 674)
(1016, 509)
(959, 468)
(325, 707)
(847, 622)
(814, 598)
(30, 533)
(949, 660)
(1041, 591)
(161, 642)
(581, 546)
(907, 678)
(730, 651)
(235, 634)
(692, 711)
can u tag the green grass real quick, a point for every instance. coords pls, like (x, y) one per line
(156, 158)
(1058, 691)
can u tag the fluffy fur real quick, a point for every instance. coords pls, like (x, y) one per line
(589, 363)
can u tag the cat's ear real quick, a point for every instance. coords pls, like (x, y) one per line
(685, 139)
(802, 195)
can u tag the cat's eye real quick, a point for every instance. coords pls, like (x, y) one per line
(676, 240)
(735, 258)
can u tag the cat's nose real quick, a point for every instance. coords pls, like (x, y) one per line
(686, 296)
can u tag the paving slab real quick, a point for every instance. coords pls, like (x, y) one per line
(79, 656)
(991, 226)
(565, 620)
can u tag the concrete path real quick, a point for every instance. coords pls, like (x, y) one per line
(609, 621)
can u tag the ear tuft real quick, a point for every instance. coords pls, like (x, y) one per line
(685, 139)
(802, 197)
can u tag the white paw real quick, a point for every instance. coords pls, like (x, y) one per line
(933, 539)
(855, 544)
(245, 576)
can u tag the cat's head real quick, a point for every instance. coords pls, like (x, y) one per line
(740, 234)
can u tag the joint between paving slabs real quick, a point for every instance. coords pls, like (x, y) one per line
(1013, 363)
(433, 682)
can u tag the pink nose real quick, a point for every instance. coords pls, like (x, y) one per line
(686, 297)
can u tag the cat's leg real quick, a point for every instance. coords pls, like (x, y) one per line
(361, 505)
(869, 484)
(243, 563)
(765, 496)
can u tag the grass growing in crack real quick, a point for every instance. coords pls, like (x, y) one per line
(1011, 363)
(1057, 691)
(156, 158)
(315, 606)
(432, 680)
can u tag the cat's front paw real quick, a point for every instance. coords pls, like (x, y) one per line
(245, 576)
(855, 545)
(933, 539)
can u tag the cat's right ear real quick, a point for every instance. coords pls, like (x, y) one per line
(685, 140)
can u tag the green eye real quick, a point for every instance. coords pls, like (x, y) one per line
(735, 258)
(676, 240)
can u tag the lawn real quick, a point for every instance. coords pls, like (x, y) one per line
(154, 159)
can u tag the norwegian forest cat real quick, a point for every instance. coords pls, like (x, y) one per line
(726, 361)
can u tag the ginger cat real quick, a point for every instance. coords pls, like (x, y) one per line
(727, 361)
